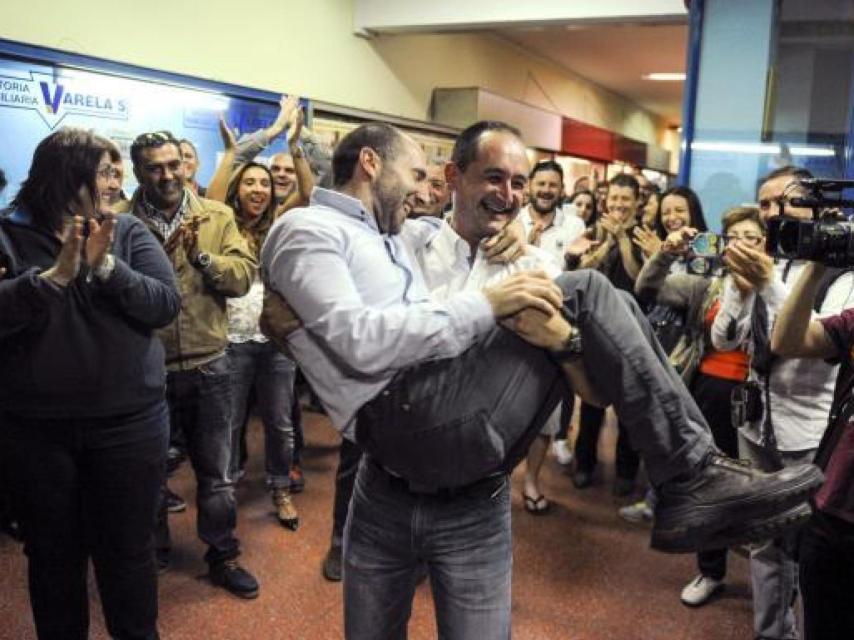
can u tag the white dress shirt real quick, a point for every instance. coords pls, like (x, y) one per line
(801, 389)
(565, 228)
(365, 309)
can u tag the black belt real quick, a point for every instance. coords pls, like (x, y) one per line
(488, 486)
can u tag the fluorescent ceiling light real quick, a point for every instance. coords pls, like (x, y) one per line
(761, 148)
(665, 77)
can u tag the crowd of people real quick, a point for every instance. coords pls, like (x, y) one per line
(447, 315)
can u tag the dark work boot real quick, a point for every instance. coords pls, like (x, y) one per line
(229, 575)
(727, 502)
(332, 564)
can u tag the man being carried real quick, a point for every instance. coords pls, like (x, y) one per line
(444, 401)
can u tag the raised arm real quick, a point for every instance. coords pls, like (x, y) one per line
(796, 334)
(302, 168)
(218, 186)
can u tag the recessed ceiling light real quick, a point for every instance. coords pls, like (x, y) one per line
(664, 77)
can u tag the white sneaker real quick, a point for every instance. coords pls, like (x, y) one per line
(638, 512)
(562, 452)
(699, 590)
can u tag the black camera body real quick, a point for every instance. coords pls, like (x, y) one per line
(827, 238)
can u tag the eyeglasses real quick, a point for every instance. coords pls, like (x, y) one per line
(747, 238)
(107, 171)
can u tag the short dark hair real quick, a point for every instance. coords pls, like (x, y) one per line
(546, 165)
(626, 180)
(152, 140)
(3, 181)
(465, 146)
(696, 218)
(379, 136)
(789, 170)
(63, 162)
(797, 173)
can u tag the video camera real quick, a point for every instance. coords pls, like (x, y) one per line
(828, 238)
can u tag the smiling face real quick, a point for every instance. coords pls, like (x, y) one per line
(584, 206)
(622, 202)
(675, 213)
(254, 192)
(284, 175)
(161, 175)
(489, 193)
(401, 179)
(109, 180)
(546, 188)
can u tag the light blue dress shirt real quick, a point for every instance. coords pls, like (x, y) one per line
(365, 309)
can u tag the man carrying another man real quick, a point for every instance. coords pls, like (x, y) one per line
(444, 401)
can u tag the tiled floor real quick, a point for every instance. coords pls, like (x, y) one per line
(580, 573)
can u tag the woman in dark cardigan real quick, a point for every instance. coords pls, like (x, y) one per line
(82, 408)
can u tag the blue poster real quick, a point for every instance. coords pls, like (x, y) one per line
(36, 99)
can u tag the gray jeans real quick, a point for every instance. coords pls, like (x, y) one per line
(773, 570)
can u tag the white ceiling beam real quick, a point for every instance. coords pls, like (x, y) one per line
(396, 16)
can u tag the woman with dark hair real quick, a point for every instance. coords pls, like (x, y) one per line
(585, 206)
(259, 369)
(678, 207)
(82, 389)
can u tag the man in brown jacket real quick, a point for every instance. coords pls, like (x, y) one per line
(212, 262)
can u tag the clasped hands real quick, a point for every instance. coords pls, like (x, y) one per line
(79, 246)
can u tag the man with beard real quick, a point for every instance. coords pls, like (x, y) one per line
(547, 224)
(430, 388)
(552, 228)
(212, 263)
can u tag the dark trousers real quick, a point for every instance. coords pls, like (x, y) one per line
(345, 480)
(587, 443)
(827, 578)
(200, 404)
(713, 396)
(89, 487)
(567, 406)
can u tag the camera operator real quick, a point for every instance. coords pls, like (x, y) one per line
(788, 398)
(827, 543)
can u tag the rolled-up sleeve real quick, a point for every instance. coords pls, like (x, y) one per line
(307, 265)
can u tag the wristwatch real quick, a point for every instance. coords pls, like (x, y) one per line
(202, 261)
(105, 269)
(571, 349)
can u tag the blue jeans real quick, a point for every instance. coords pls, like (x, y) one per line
(262, 368)
(464, 538)
(200, 405)
(89, 487)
